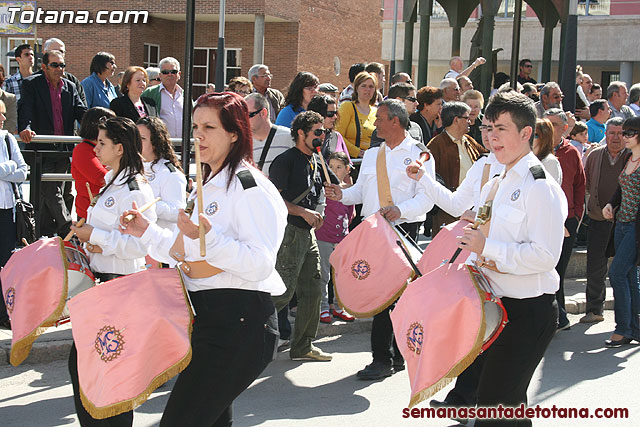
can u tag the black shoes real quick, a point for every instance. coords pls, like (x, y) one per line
(617, 343)
(398, 365)
(444, 404)
(375, 371)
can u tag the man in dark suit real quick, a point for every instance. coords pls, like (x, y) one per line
(50, 105)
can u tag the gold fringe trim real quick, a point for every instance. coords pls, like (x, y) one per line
(464, 363)
(20, 349)
(365, 314)
(131, 404)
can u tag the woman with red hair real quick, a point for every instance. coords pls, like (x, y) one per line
(230, 288)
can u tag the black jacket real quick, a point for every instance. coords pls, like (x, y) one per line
(35, 111)
(123, 107)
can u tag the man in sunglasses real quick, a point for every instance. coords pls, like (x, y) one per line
(405, 93)
(168, 96)
(50, 105)
(526, 66)
(269, 140)
(298, 175)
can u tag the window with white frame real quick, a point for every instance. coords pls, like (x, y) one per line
(204, 67)
(9, 45)
(151, 55)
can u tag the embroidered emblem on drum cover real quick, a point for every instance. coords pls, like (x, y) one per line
(110, 202)
(151, 176)
(407, 161)
(10, 299)
(515, 195)
(415, 335)
(360, 269)
(212, 208)
(109, 343)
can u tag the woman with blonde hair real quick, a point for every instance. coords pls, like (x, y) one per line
(130, 104)
(357, 117)
(543, 149)
(240, 85)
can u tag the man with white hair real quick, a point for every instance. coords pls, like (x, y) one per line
(457, 65)
(617, 95)
(634, 98)
(153, 73)
(168, 96)
(261, 80)
(450, 90)
(550, 97)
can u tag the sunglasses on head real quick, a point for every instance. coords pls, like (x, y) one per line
(255, 113)
(331, 113)
(165, 72)
(629, 133)
(57, 64)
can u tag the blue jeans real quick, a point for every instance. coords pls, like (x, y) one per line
(623, 275)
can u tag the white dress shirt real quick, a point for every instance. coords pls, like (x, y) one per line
(171, 110)
(12, 169)
(527, 231)
(121, 253)
(468, 192)
(171, 187)
(407, 195)
(247, 230)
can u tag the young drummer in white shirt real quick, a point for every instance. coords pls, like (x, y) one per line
(524, 243)
(111, 253)
(230, 342)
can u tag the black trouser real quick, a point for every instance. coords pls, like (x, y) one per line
(123, 420)
(597, 240)
(230, 349)
(512, 359)
(567, 248)
(465, 392)
(53, 215)
(382, 329)
(7, 244)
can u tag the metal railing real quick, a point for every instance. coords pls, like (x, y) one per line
(34, 159)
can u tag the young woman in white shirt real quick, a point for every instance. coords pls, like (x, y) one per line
(244, 218)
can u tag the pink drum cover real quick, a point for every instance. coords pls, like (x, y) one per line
(370, 270)
(132, 335)
(34, 288)
(442, 248)
(438, 325)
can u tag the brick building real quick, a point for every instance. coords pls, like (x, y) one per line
(323, 36)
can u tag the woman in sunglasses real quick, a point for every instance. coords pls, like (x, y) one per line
(623, 273)
(325, 105)
(231, 286)
(111, 253)
(163, 170)
(97, 87)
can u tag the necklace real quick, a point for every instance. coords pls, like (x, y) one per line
(634, 161)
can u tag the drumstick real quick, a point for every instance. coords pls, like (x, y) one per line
(324, 166)
(424, 157)
(82, 220)
(142, 209)
(24, 242)
(484, 215)
(408, 256)
(201, 231)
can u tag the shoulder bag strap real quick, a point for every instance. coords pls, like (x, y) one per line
(13, 184)
(384, 188)
(357, 119)
(313, 182)
(267, 144)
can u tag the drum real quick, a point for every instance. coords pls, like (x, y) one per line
(442, 248)
(442, 322)
(494, 313)
(370, 267)
(79, 275)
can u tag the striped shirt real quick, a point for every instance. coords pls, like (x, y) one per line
(13, 84)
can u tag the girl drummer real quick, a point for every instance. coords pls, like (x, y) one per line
(163, 170)
(111, 253)
(232, 294)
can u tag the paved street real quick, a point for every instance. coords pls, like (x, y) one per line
(576, 372)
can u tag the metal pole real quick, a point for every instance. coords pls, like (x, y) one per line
(394, 35)
(547, 48)
(568, 79)
(486, 72)
(425, 9)
(456, 35)
(221, 55)
(515, 43)
(188, 83)
(408, 48)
